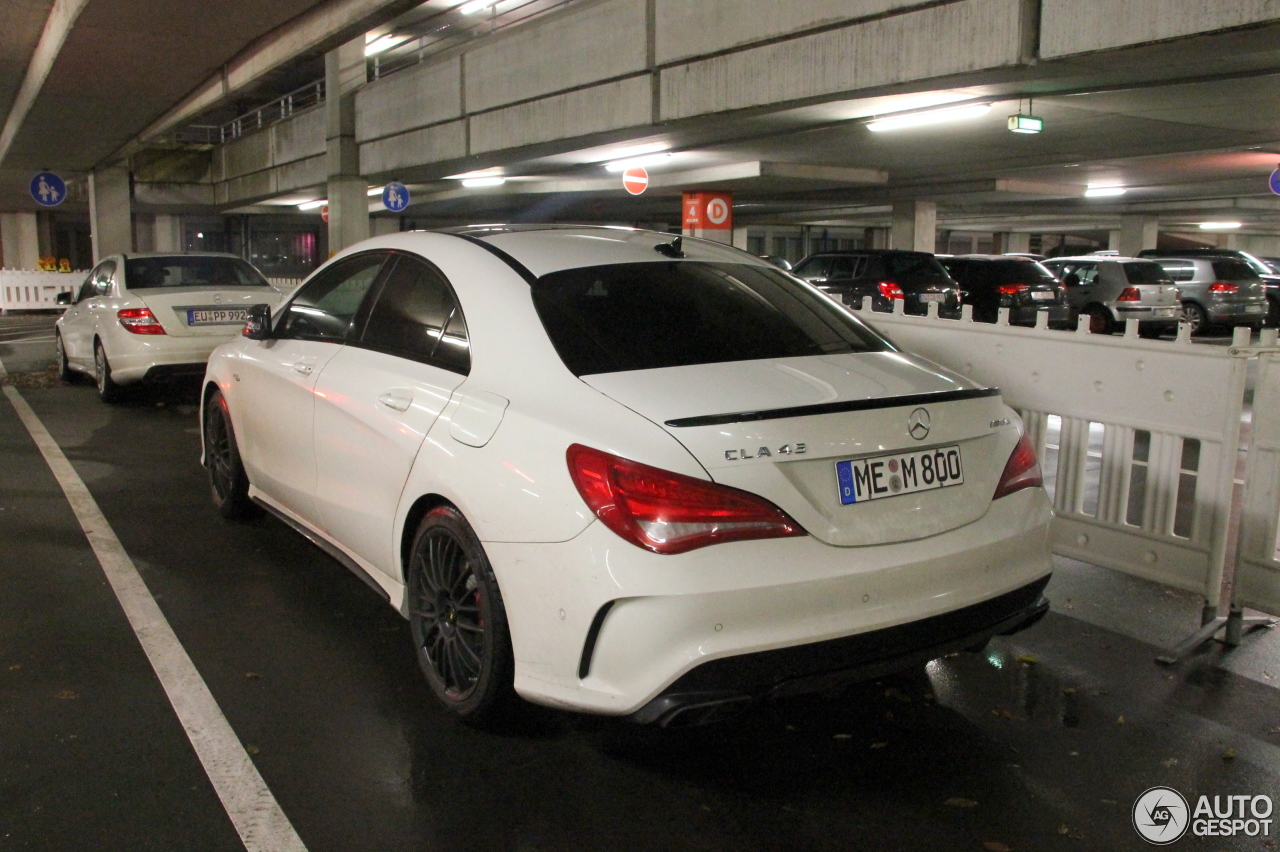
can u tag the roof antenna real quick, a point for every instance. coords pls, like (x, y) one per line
(671, 249)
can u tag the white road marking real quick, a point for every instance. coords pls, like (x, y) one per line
(257, 816)
(23, 340)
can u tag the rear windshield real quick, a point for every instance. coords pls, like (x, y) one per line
(645, 316)
(145, 273)
(911, 266)
(1003, 272)
(1145, 272)
(1233, 270)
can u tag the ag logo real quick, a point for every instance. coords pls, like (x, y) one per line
(1160, 816)
(918, 424)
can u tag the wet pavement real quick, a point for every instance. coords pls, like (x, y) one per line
(1043, 742)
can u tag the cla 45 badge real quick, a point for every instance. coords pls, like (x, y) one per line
(765, 452)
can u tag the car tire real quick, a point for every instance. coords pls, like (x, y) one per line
(228, 482)
(1273, 313)
(108, 390)
(1196, 316)
(64, 367)
(1099, 320)
(458, 621)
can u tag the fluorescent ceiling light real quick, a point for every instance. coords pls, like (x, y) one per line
(1219, 226)
(1099, 191)
(473, 183)
(312, 205)
(475, 6)
(374, 190)
(933, 116)
(386, 42)
(627, 152)
(495, 171)
(632, 162)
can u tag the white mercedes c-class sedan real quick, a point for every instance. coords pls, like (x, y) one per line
(620, 473)
(141, 317)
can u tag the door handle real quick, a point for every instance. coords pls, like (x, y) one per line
(303, 367)
(396, 401)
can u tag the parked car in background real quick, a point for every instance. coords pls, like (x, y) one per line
(1269, 275)
(1218, 290)
(144, 317)
(1272, 262)
(1028, 255)
(777, 260)
(1025, 287)
(1111, 290)
(884, 276)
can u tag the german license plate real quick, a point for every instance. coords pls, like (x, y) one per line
(933, 297)
(219, 316)
(1042, 295)
(1164, 312)
(900, 473)
(1255, 309)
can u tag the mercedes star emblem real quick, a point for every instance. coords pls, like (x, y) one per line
(918, 424)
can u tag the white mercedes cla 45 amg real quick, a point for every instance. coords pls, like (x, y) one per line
(611, 472)
(142, 317)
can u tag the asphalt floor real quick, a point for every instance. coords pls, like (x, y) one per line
(1043, 742)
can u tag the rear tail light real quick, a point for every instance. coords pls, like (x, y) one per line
(1223, 287)
(1021, 471)
(668, 512)
(139, 321)
(1012, 289)
(890, 290)
(1130, 294)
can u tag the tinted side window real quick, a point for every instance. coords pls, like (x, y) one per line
(416, 316)
(1233, 270)
(815, 267)
(325, 308)
(1179, 270)
(1146, 272)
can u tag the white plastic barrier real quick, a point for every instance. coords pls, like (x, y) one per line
(284, 284)
(1257, 577)
(1138, 437)
(21, 290)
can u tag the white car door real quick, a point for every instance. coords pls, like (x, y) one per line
(376, 400)
(274, 406)
(80, 321)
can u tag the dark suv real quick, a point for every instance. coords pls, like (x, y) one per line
(1020, 284)
(1270, 278)
(883, 275)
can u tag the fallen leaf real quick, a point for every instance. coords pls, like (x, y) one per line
(879, 745)
(1028, 659)
(1064, 830)
(1073, 754)
(706, 807)
(67, 694)
(1109, 801)
(1006, 714)
(1229, 754)
(843, 737)
(1275, 730)
(995, 846)
(1120, 720)
(252, 749)
(15, 667)
(252, 676)
(791, 728)
(1070, 690)
(1173, 761)
(960, 802)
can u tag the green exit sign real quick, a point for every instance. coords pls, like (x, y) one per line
(1025, 123)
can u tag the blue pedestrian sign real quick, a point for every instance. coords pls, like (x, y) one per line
(395, 196)
(48, 189)
(1274, 181)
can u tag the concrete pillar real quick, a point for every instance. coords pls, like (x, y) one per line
(1017, 242)
(381, 225)
(20, 240)
(168, 233)
(914, 225)
(1113, 240)
(875, 238)
(740, 238)
(1137, 233)
(110, 211)
(345, 70)
(708, 216)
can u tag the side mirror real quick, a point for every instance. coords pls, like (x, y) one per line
(258, 324)
(1071, 279)
(64, 298)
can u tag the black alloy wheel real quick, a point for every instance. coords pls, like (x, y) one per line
(458, 621)
(64, 367)
(108, 390)
(228, 482)
(1099, 320)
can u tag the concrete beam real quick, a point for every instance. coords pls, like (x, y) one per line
(752, 171)
(62, 17)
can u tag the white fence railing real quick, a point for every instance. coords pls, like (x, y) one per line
(1138, 440)
(22, 290)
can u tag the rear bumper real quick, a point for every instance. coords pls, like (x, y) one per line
(719, 685)
(1059, 315)
(1238, 313)
(161, 357)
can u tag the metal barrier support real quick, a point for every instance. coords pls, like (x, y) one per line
(1138, 438)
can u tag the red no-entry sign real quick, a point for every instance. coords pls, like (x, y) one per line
(324, 213)
(636, 180)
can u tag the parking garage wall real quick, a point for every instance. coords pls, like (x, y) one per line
(1069, 27)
